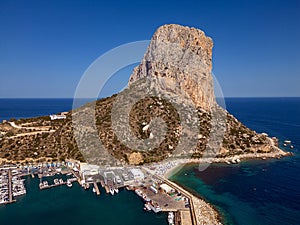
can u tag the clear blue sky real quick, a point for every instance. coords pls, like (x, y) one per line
(45, 46)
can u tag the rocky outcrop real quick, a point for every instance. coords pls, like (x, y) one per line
(179, 60)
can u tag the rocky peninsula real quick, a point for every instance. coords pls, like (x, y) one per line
(178, 62)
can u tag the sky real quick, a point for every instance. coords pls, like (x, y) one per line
(46, 46)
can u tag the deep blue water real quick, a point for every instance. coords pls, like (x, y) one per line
(255, 192)
(26, 108)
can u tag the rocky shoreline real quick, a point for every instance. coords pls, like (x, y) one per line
(204, 211)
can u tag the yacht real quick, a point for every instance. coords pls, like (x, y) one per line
(112, 191)
(171, 218)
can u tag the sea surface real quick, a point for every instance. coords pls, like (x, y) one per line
(254, 192)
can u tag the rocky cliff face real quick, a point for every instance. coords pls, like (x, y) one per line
(179, 59)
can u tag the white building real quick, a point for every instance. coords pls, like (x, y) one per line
(88, 170)
(58, 117)
(166, 188)
(137, 174)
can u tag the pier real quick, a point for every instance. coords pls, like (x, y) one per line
(11, 185)
(96, 188)
(10, 192)
(43, 187)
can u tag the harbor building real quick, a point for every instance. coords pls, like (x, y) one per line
(137, 174)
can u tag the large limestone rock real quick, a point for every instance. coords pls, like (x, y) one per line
(179, 60)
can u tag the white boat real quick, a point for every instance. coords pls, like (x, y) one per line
(146, 199)
(117, 190)
(171, 218)
(147, 207)
(112, 191)
(94, 190)
(287, 142)
(69, 184)
(155, 207)
(139, 193)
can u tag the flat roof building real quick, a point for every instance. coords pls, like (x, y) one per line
(137, 174)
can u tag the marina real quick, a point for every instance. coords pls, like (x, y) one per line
(157, 195)
(11, 184)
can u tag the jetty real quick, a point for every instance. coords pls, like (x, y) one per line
(10, 192)
(96, 188)
(43, 187)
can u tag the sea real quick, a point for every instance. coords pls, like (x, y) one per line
(254, 192)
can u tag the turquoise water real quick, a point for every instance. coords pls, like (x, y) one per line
(258, 191)
(76, 206)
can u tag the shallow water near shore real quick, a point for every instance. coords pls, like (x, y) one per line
(255, 191)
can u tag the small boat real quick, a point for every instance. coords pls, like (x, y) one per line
(291, 147)
(69, 184)
(287, 142)
(94, 190)
(284, 144)
(116, 190)
(139, 193)
(147, 207)
(146, 199)
(112, 191)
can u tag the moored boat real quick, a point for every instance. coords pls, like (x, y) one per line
(171, 218)
(69, 183)
(112, 191)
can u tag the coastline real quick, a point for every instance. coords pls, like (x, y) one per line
(204, 211)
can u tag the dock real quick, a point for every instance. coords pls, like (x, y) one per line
(58, 184)
(106, 189)
(102, 183)
(10, 193)
(96, 188)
